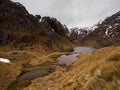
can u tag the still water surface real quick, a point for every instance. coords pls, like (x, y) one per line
(68, 59)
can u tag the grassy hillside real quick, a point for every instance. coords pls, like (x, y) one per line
(34, 54)
(98, 70)
(22, 61)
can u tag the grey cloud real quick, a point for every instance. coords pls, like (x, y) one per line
(73, 13)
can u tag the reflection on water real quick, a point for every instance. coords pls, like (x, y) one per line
(68, 59)
(33, 74)
(83, 49)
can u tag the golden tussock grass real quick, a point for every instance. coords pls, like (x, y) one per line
(91, 71)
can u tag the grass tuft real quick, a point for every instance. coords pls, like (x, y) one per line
(115, 57)
(19, 85)
(110, 86)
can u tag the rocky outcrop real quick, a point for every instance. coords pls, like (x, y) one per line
(15, 16)
(18, 26)
(76, 34)
(107, 33)
(55, 25)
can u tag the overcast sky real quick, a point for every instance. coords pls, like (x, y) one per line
(73, 13)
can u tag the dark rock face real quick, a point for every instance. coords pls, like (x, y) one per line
(15, 16)
(51, 27)
(107, 33)
(5, 37)
(38, 17)
(4, 1)
(17, 25)
(74, 34)
(55, 25)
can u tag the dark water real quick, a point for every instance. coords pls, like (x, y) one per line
(68, 59)
(33, 74)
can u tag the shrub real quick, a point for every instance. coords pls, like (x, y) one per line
(110, 86)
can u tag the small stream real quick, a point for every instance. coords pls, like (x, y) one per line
(63, 59)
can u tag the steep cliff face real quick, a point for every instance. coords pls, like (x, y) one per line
(21, 29)
(107, 33)
(15, 16)
(14, 19)
(55, 25)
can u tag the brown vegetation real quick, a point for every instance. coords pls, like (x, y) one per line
(92, 71)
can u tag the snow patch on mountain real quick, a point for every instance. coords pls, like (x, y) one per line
(108, 33)
(116, 24)
(4, 60)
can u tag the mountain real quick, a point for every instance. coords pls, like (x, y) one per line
(107, 33)
(76, 34)
(31, 45)
(19, 29)
(27, 39)
(97, 70)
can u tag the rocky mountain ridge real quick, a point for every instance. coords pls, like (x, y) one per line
(77, 34)
(17, 26)
(106, 33)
